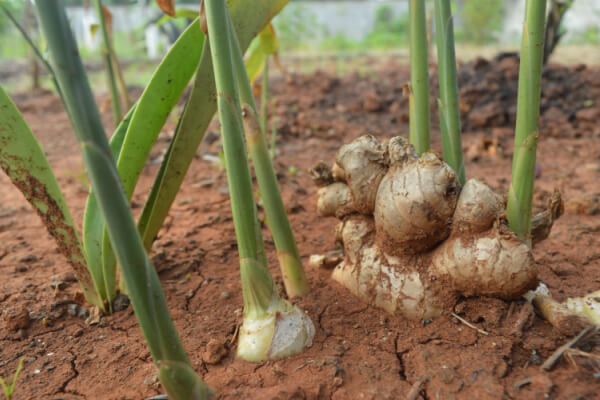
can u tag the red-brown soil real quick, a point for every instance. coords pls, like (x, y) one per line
(359, 352)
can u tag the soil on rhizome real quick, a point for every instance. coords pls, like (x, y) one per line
(358, 351)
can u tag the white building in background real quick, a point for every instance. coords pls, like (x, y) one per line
(351, 19)
(124, 19)
(583, 15)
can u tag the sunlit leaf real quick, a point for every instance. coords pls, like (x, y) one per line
(269, 40)
(265, 44)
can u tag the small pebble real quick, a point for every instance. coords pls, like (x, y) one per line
(535, 358)
(225, 295)
(28, 258)
(72, 309)
(57, 285)
(338, 381)
(21, 267)
(67, 277)
(121, 302)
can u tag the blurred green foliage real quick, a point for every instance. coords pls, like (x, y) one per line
(390, 31)
(299, 31)
(15, 7)
(590, 36)
(125, 2)
(295, 30)
(481, 21)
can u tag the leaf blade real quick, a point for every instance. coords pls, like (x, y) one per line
(23, 160)
(249, 18)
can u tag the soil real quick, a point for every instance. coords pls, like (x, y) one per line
(359, 352)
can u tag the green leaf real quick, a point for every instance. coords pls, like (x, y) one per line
(103, 270)
(153, 108)
(181, 382)
(23, 160)
(155, 104)
(181, 13)
(268, 39)
(134, 144)
(249, 18)
(147, 297)
(93, 29)
(265, 44)
(36, 50)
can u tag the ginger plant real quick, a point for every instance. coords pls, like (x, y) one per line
(272, 327)
(23, 160)
(109, 231)
(416, 237)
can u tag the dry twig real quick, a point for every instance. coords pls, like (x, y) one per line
(416, 388)
(549, 363)
(470, 325)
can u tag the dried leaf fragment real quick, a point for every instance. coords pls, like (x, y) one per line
(167, 6)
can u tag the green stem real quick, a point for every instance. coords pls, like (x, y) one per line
(110, 73)
(448, 102)
(35, 49)
(145, 291)
(292, 271)
(257, 285)
(520, 193)
(264, 110)
(273, 147)
(264, 98)
(120, 78)
(419, 77)
(249, 18)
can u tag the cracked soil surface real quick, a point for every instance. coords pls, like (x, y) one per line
(359, 352)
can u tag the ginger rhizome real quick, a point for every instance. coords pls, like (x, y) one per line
(414, 238)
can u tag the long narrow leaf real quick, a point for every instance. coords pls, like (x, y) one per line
(146, 294)
(108, 64)
(35, 49)
(137, 137)
(23, 160)
(100, 263)
(266, 44)
(448, 105)
(162, 93)
(249, 18)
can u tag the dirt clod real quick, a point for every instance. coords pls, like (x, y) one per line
(215, 351)
(16, 318)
